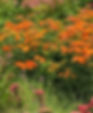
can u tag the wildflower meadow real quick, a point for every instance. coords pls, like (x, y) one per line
(46, 56)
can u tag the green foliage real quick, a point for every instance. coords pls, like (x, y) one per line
(9, 10)
(29, 101)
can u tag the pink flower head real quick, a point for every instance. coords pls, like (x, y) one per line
(83, 108)
(91, 103)
(39, 92)
(14, 87)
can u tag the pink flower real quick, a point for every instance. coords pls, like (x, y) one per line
(91, 103)
(83, 108)
(39, 92)
(14, 87)
(31, 3)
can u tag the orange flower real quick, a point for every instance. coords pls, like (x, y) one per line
(26, 65)
(17, 37)
(53, 24)
(64, 49)
(34, 45)
(67, 73)
(20, 65)
(64, 35)
(6, 48)
(72, 19)
(46, 46)
(40, 34)
(39, 58)
(24, 25)
(2, 37)
(79, 59)
(25, 48)
(9, 25)
(30, 64)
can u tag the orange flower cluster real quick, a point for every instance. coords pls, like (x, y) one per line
(27, 65)
(78, 37)
(47, 42)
